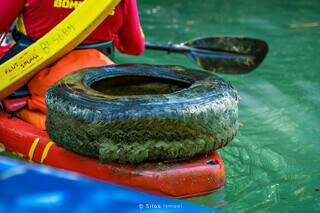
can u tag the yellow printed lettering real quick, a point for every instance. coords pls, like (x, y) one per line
(57, 3)
(67, 4)
(73, 4)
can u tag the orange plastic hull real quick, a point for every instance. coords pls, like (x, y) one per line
(199, 176)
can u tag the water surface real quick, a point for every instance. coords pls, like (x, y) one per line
(273, 164)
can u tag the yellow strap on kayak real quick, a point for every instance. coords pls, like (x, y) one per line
(46, 151)
(63, 38)
(33, 148)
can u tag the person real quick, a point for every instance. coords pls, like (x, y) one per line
(38, 17)
(35, 18)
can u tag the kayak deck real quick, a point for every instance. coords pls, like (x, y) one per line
(198, 176)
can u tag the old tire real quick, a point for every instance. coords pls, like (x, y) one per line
(111, 112)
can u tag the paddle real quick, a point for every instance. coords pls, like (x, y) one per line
(233, 55)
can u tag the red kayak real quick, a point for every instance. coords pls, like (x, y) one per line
(198, 176)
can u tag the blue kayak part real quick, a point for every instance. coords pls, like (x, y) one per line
(31, 188)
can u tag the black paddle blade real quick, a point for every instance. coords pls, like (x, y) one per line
(234, 55)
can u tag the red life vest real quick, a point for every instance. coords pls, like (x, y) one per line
(38, 17)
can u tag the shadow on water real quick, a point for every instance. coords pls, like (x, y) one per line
(273, 164)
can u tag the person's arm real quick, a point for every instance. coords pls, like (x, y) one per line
(130, 37)
(9, 10)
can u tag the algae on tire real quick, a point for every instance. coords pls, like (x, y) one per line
(193, 112)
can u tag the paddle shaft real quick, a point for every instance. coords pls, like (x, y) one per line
(182, 48)
(176, 48)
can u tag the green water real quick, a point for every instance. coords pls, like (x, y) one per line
(273, 165)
